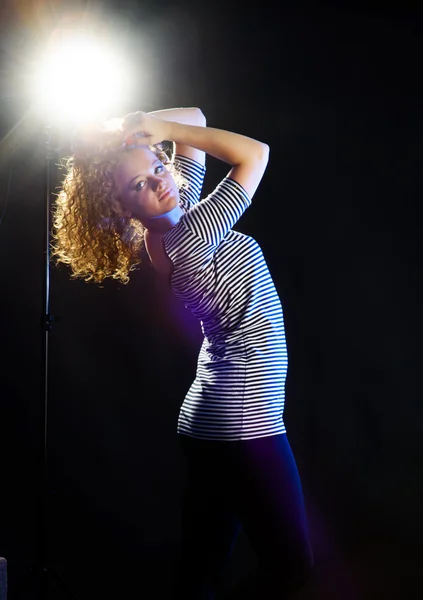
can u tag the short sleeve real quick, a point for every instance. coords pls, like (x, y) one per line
(193, 172)
(213, 217)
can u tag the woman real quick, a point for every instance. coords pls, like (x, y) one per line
(241, 471)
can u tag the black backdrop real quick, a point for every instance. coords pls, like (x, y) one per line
(337, 95)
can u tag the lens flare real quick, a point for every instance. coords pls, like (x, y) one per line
(80, 79)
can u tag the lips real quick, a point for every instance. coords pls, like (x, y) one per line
(165, 194)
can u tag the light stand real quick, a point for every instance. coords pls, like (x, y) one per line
(40, 573)
(90, 66)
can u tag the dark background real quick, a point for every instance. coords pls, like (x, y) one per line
(336, 92)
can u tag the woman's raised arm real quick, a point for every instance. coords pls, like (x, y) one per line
(186, 116)
(248, 157)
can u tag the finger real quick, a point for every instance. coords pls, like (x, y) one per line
(136, 138)
(133, 122)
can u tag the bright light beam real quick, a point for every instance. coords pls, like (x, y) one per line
(80, 79)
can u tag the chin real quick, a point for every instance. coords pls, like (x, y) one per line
(172, 202)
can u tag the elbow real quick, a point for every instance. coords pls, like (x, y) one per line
(199, 118)
(263, 153)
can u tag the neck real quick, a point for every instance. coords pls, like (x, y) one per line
(164, 223)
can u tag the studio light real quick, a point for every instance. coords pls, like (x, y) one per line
(79, 79)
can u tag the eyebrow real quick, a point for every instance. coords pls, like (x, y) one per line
(141, 175)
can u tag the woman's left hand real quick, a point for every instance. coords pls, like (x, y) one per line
(140, 128)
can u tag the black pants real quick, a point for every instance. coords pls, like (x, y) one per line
(253, 484)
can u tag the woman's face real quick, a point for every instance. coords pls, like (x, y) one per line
(146, 188)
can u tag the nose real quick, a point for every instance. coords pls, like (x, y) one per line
(158, 184)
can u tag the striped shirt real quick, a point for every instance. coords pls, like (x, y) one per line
(221, 276)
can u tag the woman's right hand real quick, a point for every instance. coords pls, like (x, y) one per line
(141, 128)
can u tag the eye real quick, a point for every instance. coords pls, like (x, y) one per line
(157, 171)
(138, 187)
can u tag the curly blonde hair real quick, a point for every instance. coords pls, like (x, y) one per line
(90, 232)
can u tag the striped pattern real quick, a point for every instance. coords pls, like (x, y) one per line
(222, 277)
